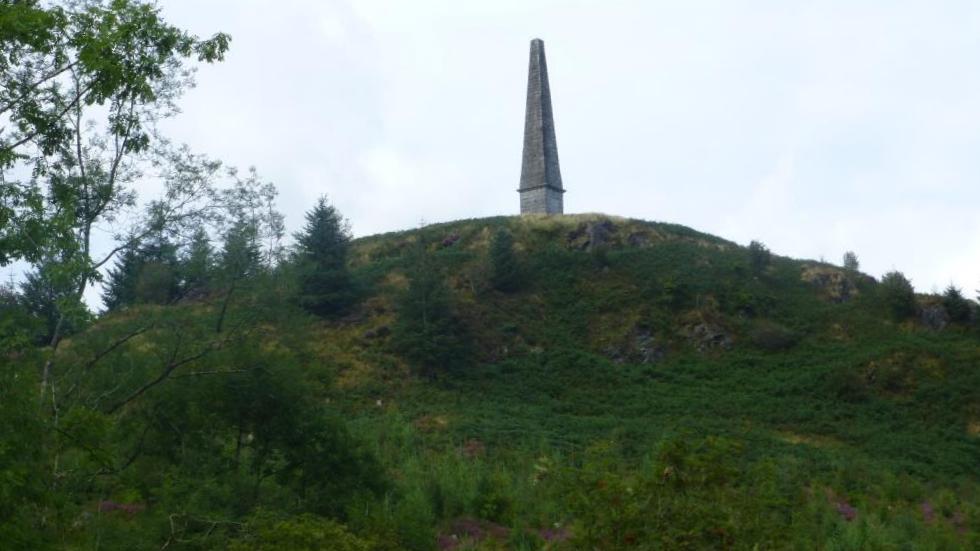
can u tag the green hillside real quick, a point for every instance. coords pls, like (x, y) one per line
(639, 386)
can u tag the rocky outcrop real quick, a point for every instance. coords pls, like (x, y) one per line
(706, 332)
(639, 240)
(590, 235)
(646, 349)
(706, 336)
(377, 333)
(934, 316)
(836, 284)
(642, 348)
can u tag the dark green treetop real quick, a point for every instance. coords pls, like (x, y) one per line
(898, 294)
(956, 305)
(504, 270)
(427, 332)
(325, 287)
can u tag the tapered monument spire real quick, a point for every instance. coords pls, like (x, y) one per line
(541, 189)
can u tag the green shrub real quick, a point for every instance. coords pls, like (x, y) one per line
(759, 257)
(493, 501)
(504, 270)
(427, 332)
(898, 294)
(696, 495)
(268, 532)
(769, 335)
(956, 305)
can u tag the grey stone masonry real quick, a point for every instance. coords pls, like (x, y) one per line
(541, 189)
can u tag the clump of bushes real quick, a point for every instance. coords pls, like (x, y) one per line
(898, 294)
(504, 270)
(769, 335)
(759, 257)
(956, 305)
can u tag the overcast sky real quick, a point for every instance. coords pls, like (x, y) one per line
(814, 127)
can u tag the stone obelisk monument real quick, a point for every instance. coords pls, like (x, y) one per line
(541, 190)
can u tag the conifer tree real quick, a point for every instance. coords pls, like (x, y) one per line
(197, 264)
(146, 274)
(899, 295)
(50, 299)
(241, 256)
(504, 271)
(759, 256)
(956, 305)
(426, 331)
(325, 287)
(120, 286)
(851, 261)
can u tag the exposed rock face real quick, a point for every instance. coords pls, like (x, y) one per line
(836, 284)
(647, 351)
(377, 333)
(637, 239)
(706, 332)
(707, 335)
(589, 235)
(642, 348)
(934, 316)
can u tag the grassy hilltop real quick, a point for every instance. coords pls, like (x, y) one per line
(641, 386)
(630, 336)
(660, 328)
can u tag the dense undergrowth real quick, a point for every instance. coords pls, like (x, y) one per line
(643, 386)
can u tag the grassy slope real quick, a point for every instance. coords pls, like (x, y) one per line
(854, 386)
(812, 400)
(554, 417)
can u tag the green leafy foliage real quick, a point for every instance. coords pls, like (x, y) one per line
(427, 331)
(197, 265)
(23, 489)
(504, 270)
(149, 274)
(591, 413)
(241, 255)
(61, 61)
(899, 295)
(265, 532)
(48, 295)
(957, 306)
(759, 256)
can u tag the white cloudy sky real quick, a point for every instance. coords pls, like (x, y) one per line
(813, 127)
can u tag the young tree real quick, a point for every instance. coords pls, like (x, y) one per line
(504, 270)
(325, 287)
(956, 305)
(241, 256)
(148, 274)
(426, 331)
(898, 294)
(18, 328)
(50, 298)
(197, 264)
(851, 261)
(759, 256)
